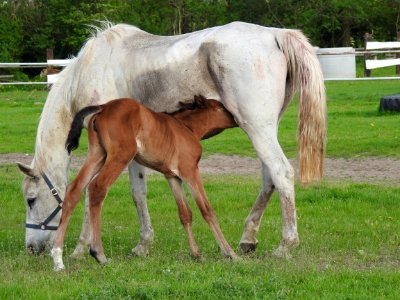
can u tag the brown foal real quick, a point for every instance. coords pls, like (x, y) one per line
(122, 130)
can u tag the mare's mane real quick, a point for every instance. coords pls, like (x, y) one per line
(60, 102)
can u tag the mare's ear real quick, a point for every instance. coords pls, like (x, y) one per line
(28, 171)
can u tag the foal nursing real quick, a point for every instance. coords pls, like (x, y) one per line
(122, 130)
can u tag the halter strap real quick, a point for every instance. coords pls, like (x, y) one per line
(52, 188)
(44, 225)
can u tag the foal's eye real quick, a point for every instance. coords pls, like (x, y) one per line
(30, 202)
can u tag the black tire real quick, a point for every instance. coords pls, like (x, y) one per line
(390, 103)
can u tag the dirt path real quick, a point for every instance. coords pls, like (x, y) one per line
(373, 170)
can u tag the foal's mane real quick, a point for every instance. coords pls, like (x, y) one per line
(199, 102)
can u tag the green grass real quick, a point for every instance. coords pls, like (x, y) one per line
(355, 127)
(350, 246)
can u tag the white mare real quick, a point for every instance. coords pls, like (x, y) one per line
(253, 70)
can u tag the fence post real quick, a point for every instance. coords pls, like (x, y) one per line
(367, 38)
(398, 55)
(49, 55)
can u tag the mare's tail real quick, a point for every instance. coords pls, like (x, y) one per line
(305, 76)
(77, 125)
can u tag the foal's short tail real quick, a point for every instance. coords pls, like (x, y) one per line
(305, 76)
(77, 125)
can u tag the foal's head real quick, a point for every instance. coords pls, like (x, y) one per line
(207, 115)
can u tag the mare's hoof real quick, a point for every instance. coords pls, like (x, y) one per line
(284, 248)
(140, 250)
(59, 268)
(282, 252)
(79, 253)
(248, 247)
(101, 258)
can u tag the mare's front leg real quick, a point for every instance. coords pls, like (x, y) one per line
(185, 213)
(197, 190)
(83, 244)
(137, 177)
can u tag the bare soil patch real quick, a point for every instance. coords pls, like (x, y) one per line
(371, 169)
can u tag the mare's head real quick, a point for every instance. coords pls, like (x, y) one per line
(40, 204)
(208, 114)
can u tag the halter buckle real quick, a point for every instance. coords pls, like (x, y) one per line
(54, 192)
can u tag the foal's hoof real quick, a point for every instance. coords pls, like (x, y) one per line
(198, 258)
(248, 247)
(231, 255)
(101, 258)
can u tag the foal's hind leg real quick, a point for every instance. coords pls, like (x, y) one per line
(98, 188)
(137, 177)
(90, 168)
(249, 242)
(197, 190)
(185, 213)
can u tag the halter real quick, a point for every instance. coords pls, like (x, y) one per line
(43, 225)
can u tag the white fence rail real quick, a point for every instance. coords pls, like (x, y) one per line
(51, 78)
(374, 63)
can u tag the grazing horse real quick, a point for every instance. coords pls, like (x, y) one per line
(253, 71)
(122, 130)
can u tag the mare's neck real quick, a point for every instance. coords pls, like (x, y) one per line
(199, 123)
(50, 154)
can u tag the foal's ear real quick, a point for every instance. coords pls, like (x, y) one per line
(200, 100)
(28, 171)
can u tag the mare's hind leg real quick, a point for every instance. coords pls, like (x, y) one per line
(90, 168)
(248, 242)
(197, 190)
(185, 213)
(98, 188)
(137, 177)
(282, 174)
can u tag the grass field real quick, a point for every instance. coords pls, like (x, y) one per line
(350, 240)
(350, 247)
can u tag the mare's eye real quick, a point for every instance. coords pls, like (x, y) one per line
(30, 202)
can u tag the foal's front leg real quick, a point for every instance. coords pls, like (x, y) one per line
(185, 213)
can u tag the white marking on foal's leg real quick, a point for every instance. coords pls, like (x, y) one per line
(56, 253)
